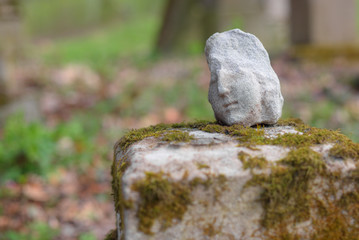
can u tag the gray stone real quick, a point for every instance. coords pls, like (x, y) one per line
(328, 23)
(244, 89)
(219, 209)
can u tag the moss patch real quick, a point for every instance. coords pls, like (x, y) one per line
(112, 235)
(286, 197)
(338, 216)
(252, 162)
(345, 149)
(177, 136)
(202, 165)
(247, 136)
(136, 135)
(294, 122)
(117, 171)
(120, 203)
(286, 192)
(211, 230)
(160, 200)
(164, 200)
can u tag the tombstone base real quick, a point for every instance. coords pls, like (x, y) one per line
(206, 181)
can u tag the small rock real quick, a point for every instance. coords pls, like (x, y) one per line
(244, 89)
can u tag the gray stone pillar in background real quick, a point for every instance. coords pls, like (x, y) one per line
(299, 22)
(266, 19)
(323, 22)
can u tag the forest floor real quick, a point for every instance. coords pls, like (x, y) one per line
(72, 199)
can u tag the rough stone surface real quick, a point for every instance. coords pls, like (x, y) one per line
(244, 88)
(219, 211)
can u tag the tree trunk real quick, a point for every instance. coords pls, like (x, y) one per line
(181, 16)
(10, 44)
(210, 20)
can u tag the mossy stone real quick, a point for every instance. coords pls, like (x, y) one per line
(287, 196)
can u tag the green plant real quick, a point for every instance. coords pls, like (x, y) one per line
(33, 148)
(87, 236)
(198, 106)
(78, 136)
(35, 231)
(25, 148)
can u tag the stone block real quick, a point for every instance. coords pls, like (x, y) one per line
(323, 22)
(207, 181)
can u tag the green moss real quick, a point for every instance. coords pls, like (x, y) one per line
(309, 137)
(345, 149)
(112, 235)
(117, 170)
(218, 184)
(160, 200)
(294, 122)
(286, 189)
(247, 136)
(164, 201)
(202, 165)
(280, 233)
(220, 180)
(199, 181)
(252, 162)
(336, 218)
(136, 135)
(286, 197)
(177, 136)
(211, 230)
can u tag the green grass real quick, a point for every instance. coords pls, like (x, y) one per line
(35, 231)
(43, 17)
(94, 40)
(105, 47)
(33, 148)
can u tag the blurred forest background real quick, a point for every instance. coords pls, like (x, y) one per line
(76, 74)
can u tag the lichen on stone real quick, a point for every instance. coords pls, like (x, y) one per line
(252, 162)
(211, 230)
(286, 189)
(288, 198)
(118, 198)
(117, 170)
(166, 201)
(161, 200)
(202, 165)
